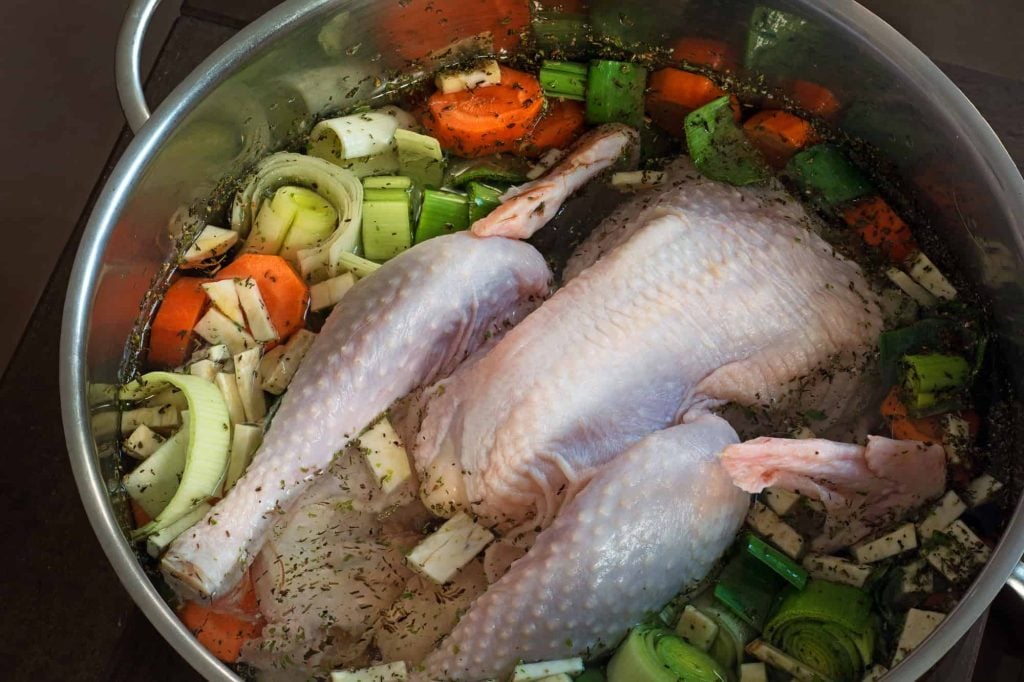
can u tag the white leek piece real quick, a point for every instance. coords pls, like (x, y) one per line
(836, 570)
(210, 243)
(924, 272)
(158, 542)
(295, 218)
(152, 484)
(449, 548)
(353, 136)
(485, 73)
(767, 523)
(255, 310)
(360, 267)
(918, 625)
(245, 441)
(959, 554)
(204, 369)
(208, 431)
(777, 658)
(329, 293)
(420, 158)
(910, 287)
(696, 628)
(898, 541)
(982, 489)
(232, 398)
(277, 374)
(632, 181)
(531, 672)
(215, 327)
(387, 672)
(945, 512)
(385, 456)
(253, 401)
(143, 442)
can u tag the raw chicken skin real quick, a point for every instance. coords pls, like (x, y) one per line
(718, 295)
(409, 324)
(862, 487)
(652, 521)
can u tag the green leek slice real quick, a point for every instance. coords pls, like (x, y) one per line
(615, 92)
(748, 588)
(935, 373)
(387, 226)
(793, 572)
(826, 177)
(656, 655)
(209, 441)
(499, 168)
(482, 200)
(420, 158)
(442, 213)
(567, 80)
(719, 147)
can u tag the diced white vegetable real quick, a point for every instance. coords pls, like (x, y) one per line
(218, 353)
(143, 442)
(153, 483)
(158, 541)
(276, 379)
(210, 243)
(776, 658)
(232, 398)
(945, 512)
(917, 579)
(836, 570)
(531, 672)
(245, 441)
(910, 287)
(959, 555)
(753, 672)
(875, 673)
(253, 400)
(387, 672)
(696, 628)
(780, 500)
(329, 292)
(205, 369)
(545, 163)
(480, 75)
(353, 136)
(223, 295)
(918, 625)
(255, 310)
(385, 456)
(928, 276)
(767, 523)
(215, 327)
(981, 490)
(631, 181)
(165, 417)
(956, 436)
(441, 554)
(803, 433)
(898, 541)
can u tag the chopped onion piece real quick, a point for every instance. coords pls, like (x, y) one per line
(440, 555)
(210, 243)
(353, 136)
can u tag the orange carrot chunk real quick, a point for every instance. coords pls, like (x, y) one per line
(779, 135)
(486, 120)
(673, 93)
(879, 226)
(284, 292)
(561, 124)
(904, 427)
(170, 335)
(222, 634)
(814, 98)
(713, 54)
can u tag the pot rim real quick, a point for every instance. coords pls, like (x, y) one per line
(876, 35)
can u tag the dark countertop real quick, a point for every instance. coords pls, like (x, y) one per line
(68, 616)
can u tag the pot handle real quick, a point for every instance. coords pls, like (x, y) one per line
(128, 60)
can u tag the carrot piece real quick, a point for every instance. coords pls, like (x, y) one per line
(881, 228)
(815, 98)
(486, 120)
(779, 135)
(713, 54)
(284, 292)
(139, 514)
(170, 335)
(673, 93)
(222, 634)
(904, 427)
(557, 128)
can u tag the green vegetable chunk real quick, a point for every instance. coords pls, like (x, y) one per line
(827, 626)
(615, 92)
(652, 654)
(781, 44)
(567, 80)
(499, 168)
(442, 213)
(482, 200)
(720, 149)
(794, 573)
(387, 226)
(592, 675)
(893, 345)
(826, 177)
(932, 379)
(748, 588)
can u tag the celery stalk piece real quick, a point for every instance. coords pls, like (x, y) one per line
(420, 157)
(442, 213)
(615, 92)
(719, 147)
(315, 220)
(387, 227)
(354, 136)
(567, 80)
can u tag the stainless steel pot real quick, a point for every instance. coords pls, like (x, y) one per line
(306, 57)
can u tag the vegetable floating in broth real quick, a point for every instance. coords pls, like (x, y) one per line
(737, 434)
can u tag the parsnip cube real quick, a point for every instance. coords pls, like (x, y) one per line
(780, 500)
(388, 672)
(205, 369)
(916, 628)
(449, 548)
(211, 242)
(753, 672)
(255, 309)
(253, 400)
(898, 541)
(330, 292)
(836, 570)
(981, 490)
(948, 510)
(275, 379)
(533, 672)
(228, 386)
(767, 523)
(385, 456)
(223, 295)
(216, 328)
(696, 628)
(959, 554)
(143, 442)
(245, 441)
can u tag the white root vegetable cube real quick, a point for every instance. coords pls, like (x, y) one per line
(959, 554)
(948, 510)
(898, 541)
(753, 672)
(255, 309)
(483, 74)
(277, 374)
(910, 287)
(223, 295)
(533, 672)
(981, 490)
(631, 181)
(211, 242)
(215, 327)
(330, 292)
(916, 628)
(253, 400)
(924, 272)
(874, 673)
(245, 440)
(696, 628)
(776, 658)
(780, 500)
(956, 436)
(440, 555)
(385, 456)
(767, 523)
(205, 369)
(836, 570)
(388, 672)
(164, 417)
(917, 579)
(232, 398)
(143, 442)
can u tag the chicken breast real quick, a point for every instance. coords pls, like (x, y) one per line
(409, 324)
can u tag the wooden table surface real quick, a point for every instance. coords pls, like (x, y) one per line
(66, 615)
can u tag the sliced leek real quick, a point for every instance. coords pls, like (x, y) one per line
(656, 655)
(353, 136)
(420, 158)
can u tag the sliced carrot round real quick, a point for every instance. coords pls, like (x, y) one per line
(779, 135)
(284, 292)
(713, 54)
(815, 98)
(673, 93)
(223, 635)
(486, 120)
(170, 334)
(560, 125)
